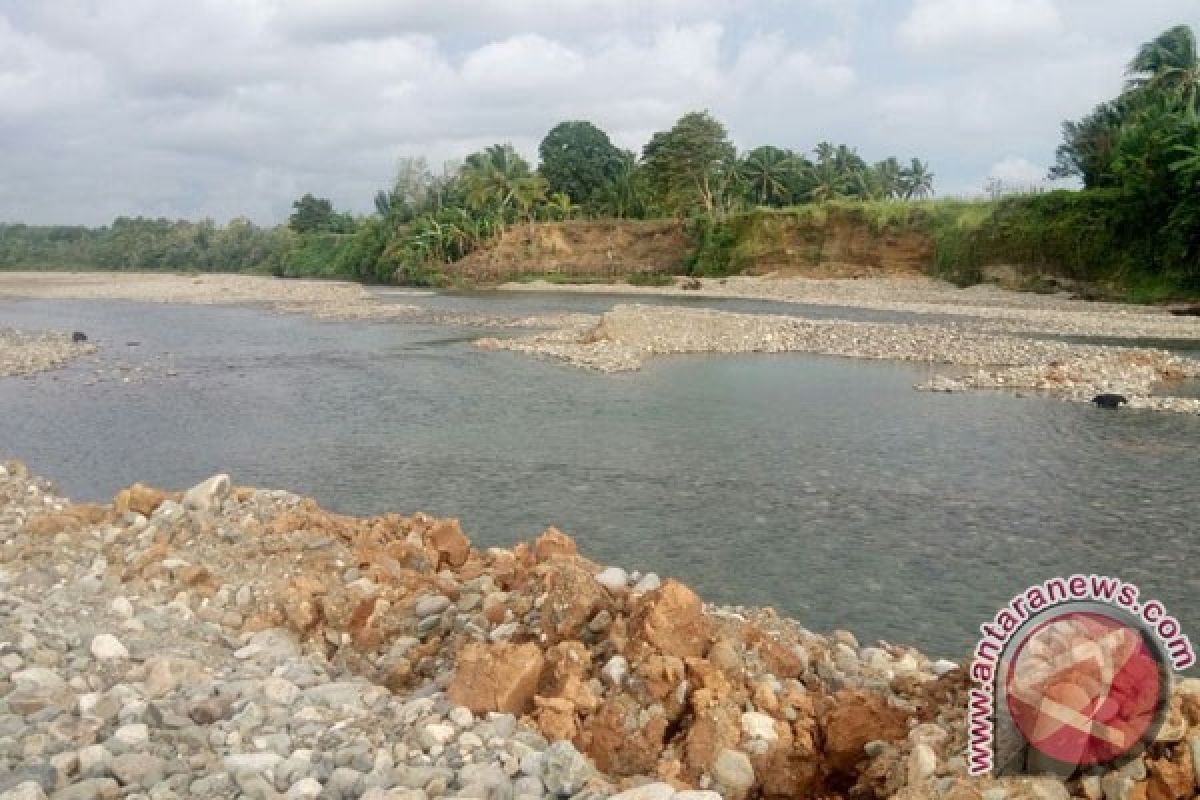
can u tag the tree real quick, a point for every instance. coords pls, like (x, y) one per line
(492, 177)
(1167, 67)
(766, 174)
(691, 164)
(577, 159)
(916, 181)
(311, 215)
(1089, 144)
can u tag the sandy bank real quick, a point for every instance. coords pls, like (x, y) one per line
(628, 334)
(227, 640)
(322, 299)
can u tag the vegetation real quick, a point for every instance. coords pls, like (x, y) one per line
(1135, 223)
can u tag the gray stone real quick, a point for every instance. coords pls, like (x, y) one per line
(648, 583)
(207, 496)
(564, 770)
(251, 762)
(613, 578)
(95, 761)
(431, 604)
(697, 794)
(139, 769)
(648, 791)
(304, 789)
(38, 678)
(91, 789)
(29, 790)
(106, 647)
(733, 770)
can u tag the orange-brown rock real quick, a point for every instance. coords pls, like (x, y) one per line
(853, 717)
(790, 768)
(716, 726)
(50, 524)
(555, 718)
(567, 674)
(572, 598)
(1173, 778)
(553, 542)
(497, 677)
(671, 620)
(660, 676)
(778, 659)
(89, 513)
(139, 498)
(447, 540)
(624, 738)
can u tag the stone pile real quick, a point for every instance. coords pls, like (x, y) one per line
(236, 642)
(626, 336)
(27, 353)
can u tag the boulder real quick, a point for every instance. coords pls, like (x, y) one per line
(139, 498)
(450, 544)
(671, 620)
(852, 718)
(496, 677)
(209, 495)
(553, 542)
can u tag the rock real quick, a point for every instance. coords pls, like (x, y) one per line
(29, 790)
(648, 791)
(732, 769)
(564, 770)
(106, 647)
(121, 607)
(95, 761)
(138, 769)
(614, 579)
(140, 499)
(697, 794)
(496, 677)
(91, 789)
(615, 670)
(449, 543)
(38, 678)
(922, 764)
(756, 725)
(132, 735)
(851, 719)
(431, 604)
(943, 666)
(553, 542)
(1194, 745)
(207, 496)
(671, 620)
(648, 583)
(256, 763)
(165, 673)
(438, 733)
(305, 789)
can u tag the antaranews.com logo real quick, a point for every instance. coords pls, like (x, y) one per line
(1073, 672)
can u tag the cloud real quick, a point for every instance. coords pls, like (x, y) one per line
(1017, 172)
(935, 26)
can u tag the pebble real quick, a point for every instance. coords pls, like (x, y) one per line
(613, 578)
(107, 647)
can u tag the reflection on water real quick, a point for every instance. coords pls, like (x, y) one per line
(827, 488)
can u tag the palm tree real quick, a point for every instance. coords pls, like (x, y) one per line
(492, 176)
(766, 172)
(1168, 66)
(560, 206)
(917, 180)
(888, 178)
(827, 178)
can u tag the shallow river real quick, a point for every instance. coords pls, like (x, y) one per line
(827, 488)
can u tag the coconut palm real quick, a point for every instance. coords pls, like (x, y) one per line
(917, 180)
(1168, 66)
(765, 172)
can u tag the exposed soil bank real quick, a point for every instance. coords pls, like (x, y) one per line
(193, 642)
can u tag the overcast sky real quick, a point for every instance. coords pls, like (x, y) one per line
(224, 108)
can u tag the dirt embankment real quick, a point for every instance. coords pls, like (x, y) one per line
(829, 245)
(594, 250)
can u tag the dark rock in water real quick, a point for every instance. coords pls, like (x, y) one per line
(78, 336)
(1110, 400)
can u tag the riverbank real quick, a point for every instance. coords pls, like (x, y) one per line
(227, 639)
(321, 299)
(28, 353)
(623, 338)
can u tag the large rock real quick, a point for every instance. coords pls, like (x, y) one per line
(851, 719)
(139, 498)
(553, 542)
(449, 542)
(671, 620)
(207, 496)
(497, 677)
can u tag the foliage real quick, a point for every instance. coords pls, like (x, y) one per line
(316, 215)
(578, 160)
(692, 164)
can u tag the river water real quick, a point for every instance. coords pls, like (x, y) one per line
(824, 487)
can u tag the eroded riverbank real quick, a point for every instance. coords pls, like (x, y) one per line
(229, 640)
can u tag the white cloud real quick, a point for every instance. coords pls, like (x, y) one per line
(974, 26)
(1017, 172)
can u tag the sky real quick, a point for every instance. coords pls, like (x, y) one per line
(234, 108)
